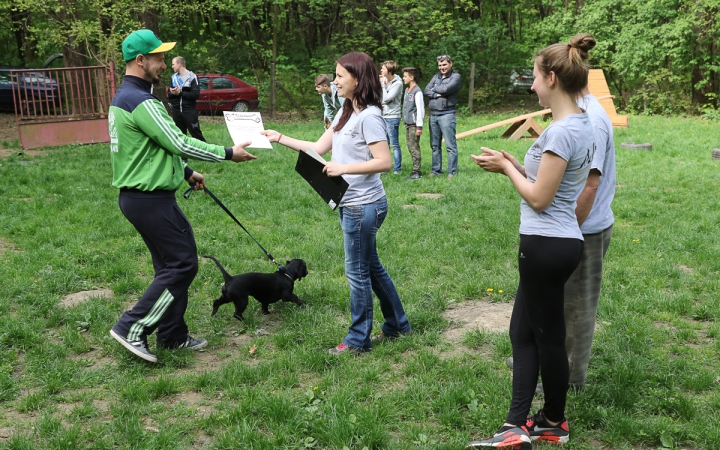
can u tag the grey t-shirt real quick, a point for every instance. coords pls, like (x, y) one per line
(350, 145)
(573, 140)
(601, 215)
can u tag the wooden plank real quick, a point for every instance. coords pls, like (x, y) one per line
(501, 123)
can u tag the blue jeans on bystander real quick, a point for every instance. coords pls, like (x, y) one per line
(366, 275)
(443, 126)
(393, 127)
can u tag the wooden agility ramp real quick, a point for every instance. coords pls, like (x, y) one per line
(599, 88)
(520, 125)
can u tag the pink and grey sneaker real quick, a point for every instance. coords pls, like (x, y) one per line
(340, 349)
(541, 430)
(507, 437)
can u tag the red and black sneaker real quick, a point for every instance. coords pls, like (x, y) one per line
(540, 430)
(507, 437)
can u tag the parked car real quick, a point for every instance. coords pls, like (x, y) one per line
(225, 93)
(37, 90)
(521, 81)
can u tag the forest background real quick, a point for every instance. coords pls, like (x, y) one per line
(659, 56)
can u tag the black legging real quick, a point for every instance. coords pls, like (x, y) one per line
(537, 327)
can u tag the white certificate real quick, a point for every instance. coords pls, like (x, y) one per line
(246, 126)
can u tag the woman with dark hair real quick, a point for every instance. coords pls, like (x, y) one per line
(360, 153)
(554, 174)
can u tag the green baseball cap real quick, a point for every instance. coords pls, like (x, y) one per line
(142, 42)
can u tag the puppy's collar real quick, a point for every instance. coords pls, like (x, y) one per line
(285, 272)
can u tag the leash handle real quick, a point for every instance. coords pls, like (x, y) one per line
(187, 194)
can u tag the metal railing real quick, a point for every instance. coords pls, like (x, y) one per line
(68, 93)
(62, 106)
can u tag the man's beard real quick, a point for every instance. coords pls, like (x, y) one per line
(155, 79)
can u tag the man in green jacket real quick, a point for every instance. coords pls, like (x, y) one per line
(147, 152)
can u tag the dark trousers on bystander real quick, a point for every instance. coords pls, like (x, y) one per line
(187, 120)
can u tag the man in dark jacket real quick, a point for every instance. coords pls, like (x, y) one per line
(182, 95)
(443, 92)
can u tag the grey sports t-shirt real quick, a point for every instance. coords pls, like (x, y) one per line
(350, 145)
(573, 140)
(601, 215)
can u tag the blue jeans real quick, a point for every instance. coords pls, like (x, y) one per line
(393, 126)
(366, 275)
(443, 127)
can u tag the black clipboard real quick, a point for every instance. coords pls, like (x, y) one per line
(331, 189)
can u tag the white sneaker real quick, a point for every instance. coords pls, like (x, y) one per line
(139, 348)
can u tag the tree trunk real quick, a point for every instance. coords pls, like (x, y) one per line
(274, 60)
(20, 24)
(74, 53)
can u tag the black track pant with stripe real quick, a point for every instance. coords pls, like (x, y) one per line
(169, 237)
(537, 325)
(187, 120)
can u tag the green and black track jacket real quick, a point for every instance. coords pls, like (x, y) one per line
(146, 147)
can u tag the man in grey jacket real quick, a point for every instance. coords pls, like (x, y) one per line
(442, 90)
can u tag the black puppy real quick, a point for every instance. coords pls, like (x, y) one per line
(265, 287)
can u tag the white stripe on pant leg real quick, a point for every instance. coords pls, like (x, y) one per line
(157, 311)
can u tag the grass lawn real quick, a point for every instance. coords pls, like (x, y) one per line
(268, 382)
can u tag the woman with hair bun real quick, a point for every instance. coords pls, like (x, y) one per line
(554, 174)
(360, 152)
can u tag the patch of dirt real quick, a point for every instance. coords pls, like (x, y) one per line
(428, 195)
(214, 358)
(195, 400)
(686, 269)
(411, 206)
(6, 246)
(77, 298)
(10, 416)
(93, 359)
(473, 315)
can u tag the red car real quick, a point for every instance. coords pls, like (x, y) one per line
(225, 93)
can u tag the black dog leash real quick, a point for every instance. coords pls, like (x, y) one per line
(279, 266)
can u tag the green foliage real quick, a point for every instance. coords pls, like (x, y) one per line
(661, 93)
(659, 57)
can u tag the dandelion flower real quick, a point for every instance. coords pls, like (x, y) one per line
(489, 289)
